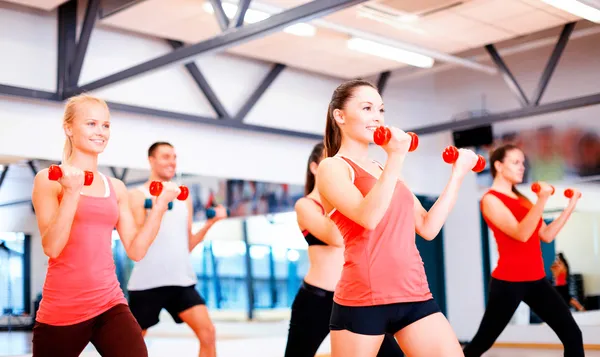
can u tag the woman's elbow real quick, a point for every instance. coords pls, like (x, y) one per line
(135, 254)
(545, 238)
(429, 236)
(370, 223)
(50, 251)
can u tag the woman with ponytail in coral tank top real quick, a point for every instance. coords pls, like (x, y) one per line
(383, 287)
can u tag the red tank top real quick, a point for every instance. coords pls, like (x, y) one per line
(381, 266)
(561, 279)
(81, 282)
(517, 261)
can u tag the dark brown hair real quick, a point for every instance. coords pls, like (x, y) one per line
(499, 154)
(315, 156)
(341, 95)
(155, 146)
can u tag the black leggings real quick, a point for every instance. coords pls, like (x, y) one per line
(309, 324)
(542, 298)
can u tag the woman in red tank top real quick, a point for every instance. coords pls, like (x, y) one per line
(562, 276)
(82, 301)
(519, 276)
(383, 287)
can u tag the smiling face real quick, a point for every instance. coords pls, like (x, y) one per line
(361, 114)
(163, 162)
(87, 124)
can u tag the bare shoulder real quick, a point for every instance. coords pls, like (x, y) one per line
(136, 196)
(332, 166)
(42, 184)
(491, 203)
(119, 186)
(303, 204)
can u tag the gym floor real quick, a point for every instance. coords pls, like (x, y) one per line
(264, 339)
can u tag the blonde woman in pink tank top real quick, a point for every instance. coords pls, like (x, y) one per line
(82, 301)
(383, 287)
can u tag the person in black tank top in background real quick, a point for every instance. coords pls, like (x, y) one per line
(311, 309)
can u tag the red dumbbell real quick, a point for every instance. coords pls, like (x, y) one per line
(55, 173)
(536, 188)
(383, 135)
(569, 193)
(157, 186)
(450, 155)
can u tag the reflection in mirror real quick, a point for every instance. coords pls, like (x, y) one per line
(250, 264)
(564, 157)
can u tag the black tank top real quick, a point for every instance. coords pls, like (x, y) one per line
(311, 239)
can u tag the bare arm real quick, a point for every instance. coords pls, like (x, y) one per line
(335, 185)
(136, 241)
(429, 224)
(137, 202)
(312, 219)
(502, 217)
(198, 237)
(547, 233)
(54, 219)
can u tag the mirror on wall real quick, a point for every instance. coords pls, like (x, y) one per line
(564, 156)
(254, 260)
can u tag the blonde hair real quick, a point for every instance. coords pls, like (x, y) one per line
(71, 110)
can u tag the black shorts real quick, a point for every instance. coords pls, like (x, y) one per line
(380, 319)
(146, 305)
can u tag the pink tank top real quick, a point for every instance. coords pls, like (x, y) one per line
(381, 266)
(81, 282)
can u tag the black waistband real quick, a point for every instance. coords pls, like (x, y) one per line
(316, 290)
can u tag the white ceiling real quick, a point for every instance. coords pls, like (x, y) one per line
(447, 27)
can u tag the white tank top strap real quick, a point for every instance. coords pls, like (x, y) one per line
(352, 173)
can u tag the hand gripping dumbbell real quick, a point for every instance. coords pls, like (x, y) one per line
(383, 135)
(536, 188)
(55, 173)
(211, 212)
(156, 188)
(450, 155)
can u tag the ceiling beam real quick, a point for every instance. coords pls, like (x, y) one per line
(222, 18)
(521, 113)
(233, 124)
(507, 75)
(258, 93)
(552, 62)
(225, 40)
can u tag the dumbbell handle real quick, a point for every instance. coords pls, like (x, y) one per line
(157, 186)
(211, 213)
(55, 173)
(536, 188)
(450, 155)
(383, 135)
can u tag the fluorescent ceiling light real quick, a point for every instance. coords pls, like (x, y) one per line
(253, 16)
(576, 8)
(301, 29)
(389, 52)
